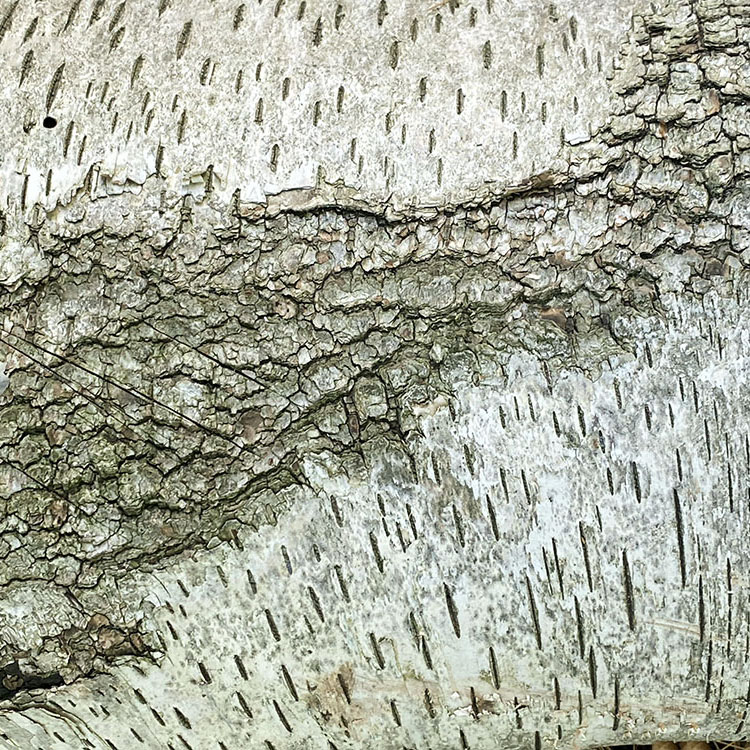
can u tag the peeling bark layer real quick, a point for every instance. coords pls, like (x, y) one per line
(354, 452)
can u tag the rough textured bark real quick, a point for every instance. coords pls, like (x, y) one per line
(375, 374)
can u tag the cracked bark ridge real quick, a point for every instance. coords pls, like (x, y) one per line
(84, 653)
(325, 469)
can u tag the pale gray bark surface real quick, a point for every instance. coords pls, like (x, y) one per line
(374, 375)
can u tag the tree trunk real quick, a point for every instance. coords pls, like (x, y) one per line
(374, 373)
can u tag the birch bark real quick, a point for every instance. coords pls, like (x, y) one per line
(374, 374)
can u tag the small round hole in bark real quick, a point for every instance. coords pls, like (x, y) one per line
(49, 122)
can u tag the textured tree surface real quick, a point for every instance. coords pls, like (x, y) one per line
(374, 373)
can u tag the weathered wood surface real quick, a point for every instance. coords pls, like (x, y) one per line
(374, 373)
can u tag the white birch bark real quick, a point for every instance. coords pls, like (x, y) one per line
(374, 375)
